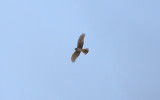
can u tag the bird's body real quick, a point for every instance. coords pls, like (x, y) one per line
(79, 49)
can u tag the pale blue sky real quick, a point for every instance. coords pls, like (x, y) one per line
(38, 37)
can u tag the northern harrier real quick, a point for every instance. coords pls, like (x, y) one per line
(79, 48)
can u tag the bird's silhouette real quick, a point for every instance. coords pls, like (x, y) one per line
(79, 49)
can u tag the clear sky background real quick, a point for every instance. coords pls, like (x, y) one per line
(38, 37)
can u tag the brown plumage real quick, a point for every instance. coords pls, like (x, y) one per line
(79, 48)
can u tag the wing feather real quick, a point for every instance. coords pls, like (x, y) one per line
(80, 41)
(75, 56)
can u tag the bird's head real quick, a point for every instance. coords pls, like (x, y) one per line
(75, 49)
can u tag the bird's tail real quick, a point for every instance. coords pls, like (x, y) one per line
(85, 51)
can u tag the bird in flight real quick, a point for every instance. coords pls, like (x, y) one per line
(79, 49)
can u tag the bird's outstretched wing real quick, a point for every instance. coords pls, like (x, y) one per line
(80, 41)
(75, 56)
